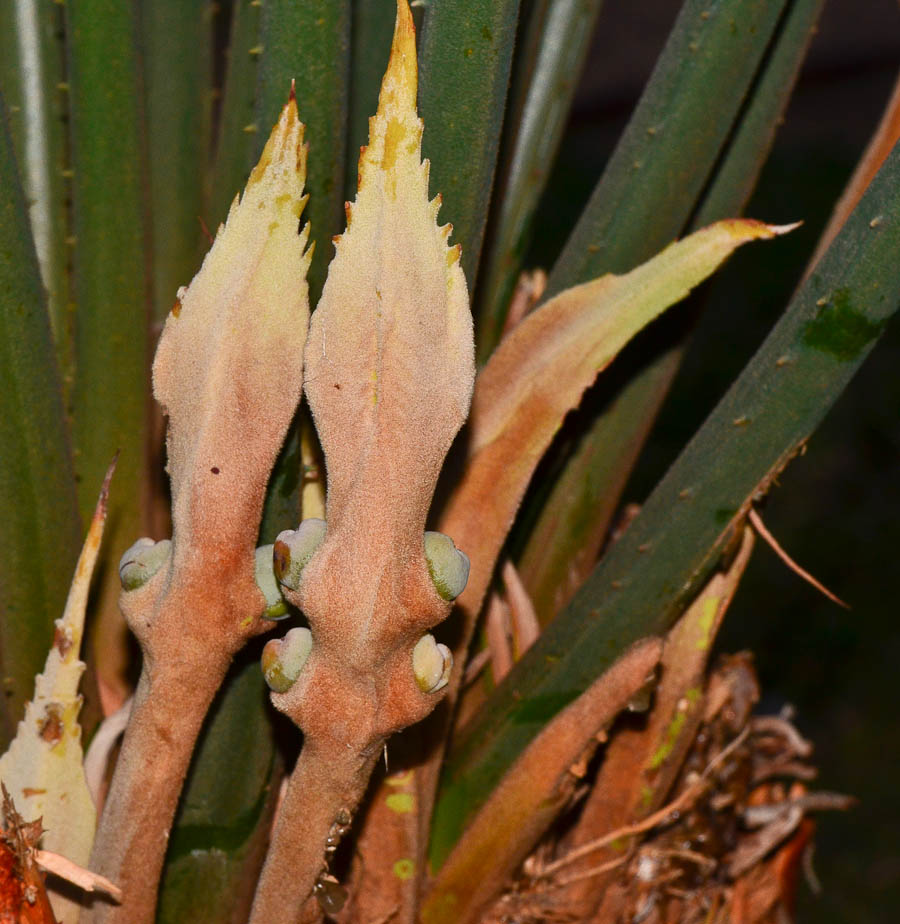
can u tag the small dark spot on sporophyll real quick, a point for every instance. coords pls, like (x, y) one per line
(841, 330)
(215, 469)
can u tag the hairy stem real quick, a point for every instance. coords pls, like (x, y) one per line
(170, 704)
(324, 790)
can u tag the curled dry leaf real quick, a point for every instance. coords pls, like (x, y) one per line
(228, 372)
(43, 768)
(389, 372)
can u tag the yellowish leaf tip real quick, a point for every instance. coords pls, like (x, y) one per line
(396, 125)
(284, 151)
(751, 228)
(401, 76)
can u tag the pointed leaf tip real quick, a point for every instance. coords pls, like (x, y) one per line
(283, 160)
(390, 358)
(402, 67)
(228, 368)
(395, 132)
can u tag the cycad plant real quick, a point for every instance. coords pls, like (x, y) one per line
(446, 565)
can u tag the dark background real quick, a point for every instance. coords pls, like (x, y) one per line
(837, 510)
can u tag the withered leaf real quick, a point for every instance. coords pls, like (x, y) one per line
(43, 768)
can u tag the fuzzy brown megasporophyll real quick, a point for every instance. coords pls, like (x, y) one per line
(389, 372)
(228, 373)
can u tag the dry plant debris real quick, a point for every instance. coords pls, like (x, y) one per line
(728, 847)
(23, 896)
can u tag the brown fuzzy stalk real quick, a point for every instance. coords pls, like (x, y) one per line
(228, 373)
(389, 372)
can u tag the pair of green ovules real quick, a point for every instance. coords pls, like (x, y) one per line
(282, 564)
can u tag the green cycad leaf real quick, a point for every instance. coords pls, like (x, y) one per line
(466, 55)
(753, 134)
(31, 75)
(648, 576)
(41, 530)
(575, 518)
(237, 143)
(372, 25)
(544, 81)
(668, 150)
(110, 269)
(177, 60)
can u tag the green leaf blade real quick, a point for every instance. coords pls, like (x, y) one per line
(177, 58)
(465, 58)
(237, 143)
(648, 576)
(667, 152)
(111, 292)
(31, 80)
(371, 31)
(753, 135)
(41, 536)
(575, 520)
(218, 840)
(556, 44)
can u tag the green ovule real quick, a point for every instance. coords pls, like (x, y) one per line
(142, 561)
(447, 565)
(276, 608)
(294, 548)
(432, 663)
(841, 330)
(283, 659)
